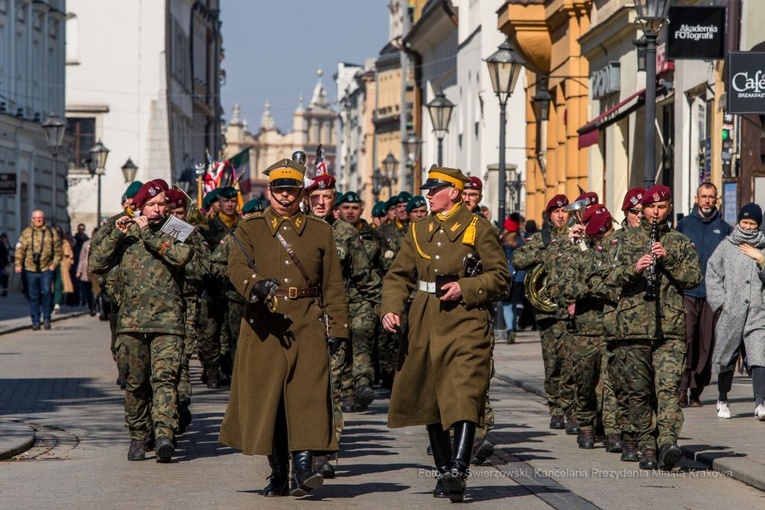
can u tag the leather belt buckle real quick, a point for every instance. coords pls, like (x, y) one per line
(292, 293)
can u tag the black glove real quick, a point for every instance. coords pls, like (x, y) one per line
(264, 290)
(334, 344)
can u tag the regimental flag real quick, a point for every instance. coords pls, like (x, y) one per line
(321, 166)
(241, 163)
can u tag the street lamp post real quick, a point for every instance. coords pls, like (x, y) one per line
(390, 165)
(413, 148)
(98, 155)
(54, 128)
(129, 170)
(440, 110)
(504, 68)
(651, 14)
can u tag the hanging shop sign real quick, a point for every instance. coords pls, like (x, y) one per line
(696, 33)
(745, 87)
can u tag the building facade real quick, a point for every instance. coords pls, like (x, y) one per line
(32, 70)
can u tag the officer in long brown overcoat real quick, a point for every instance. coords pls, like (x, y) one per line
(443, 368)
(280, 393)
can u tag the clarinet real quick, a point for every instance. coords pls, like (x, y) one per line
(650, 274)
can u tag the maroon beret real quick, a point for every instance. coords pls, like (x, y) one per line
(556, 202)
(633, 198)
(176, 198)
(599, 224)
(474, 183)
(592, 211)
(656, 193)
(149, 190)
(323, 181)
(590, 196)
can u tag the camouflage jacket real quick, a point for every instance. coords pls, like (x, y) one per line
(151, 272)
(109, 280)
(219, 266)
(636, 318)
(43, 240)
(198, 271)
(393, 236)
(378, 251)
(361, 284)
(214, 233)
(535, 252)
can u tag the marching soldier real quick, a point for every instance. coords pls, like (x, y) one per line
(378, 214)
(150, 325)
(546, 248)
(444, 370)
(473, 194)
(657, 264)
(288, 271)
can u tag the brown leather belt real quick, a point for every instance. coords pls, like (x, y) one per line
(295, 293)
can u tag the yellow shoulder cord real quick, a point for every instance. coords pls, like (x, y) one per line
(469, 238)
(417, 245)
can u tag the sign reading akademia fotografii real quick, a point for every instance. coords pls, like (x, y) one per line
(696, 33)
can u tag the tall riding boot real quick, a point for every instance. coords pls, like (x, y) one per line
(455, 480)
(279, 460)
(304, 478)
(442, 453)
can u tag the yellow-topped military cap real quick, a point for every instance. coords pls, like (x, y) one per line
(285, 173)
(439, 176)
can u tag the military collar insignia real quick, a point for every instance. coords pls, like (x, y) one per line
(455, 226)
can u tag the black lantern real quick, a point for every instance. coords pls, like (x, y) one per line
(542, 100)
(652, 13)
(390, 164)
(129, 170)
(54, 128)
(642, 49)
(440, 110)
(504, 68)
(98, 154)
(412, 146)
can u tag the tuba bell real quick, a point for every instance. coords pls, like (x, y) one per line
(535, 288)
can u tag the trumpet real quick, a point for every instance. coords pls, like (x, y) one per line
(193, 215)
(576, 209)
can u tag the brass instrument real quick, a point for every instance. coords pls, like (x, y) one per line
(535, 288)
(650, 272)
(576, 209)
(193, 215)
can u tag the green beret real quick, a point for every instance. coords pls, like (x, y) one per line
(392, 201)
(210, 198)
(350, 198)
(378, 211)
(132, 190)
(227, 192)
(253, 206)
(404, 197)
(339, 200)
(415, 202)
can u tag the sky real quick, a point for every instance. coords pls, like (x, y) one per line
(274, 47)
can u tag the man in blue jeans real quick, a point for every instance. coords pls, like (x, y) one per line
(38, 253)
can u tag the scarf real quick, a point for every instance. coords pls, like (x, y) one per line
(227, 220)
(751, 237)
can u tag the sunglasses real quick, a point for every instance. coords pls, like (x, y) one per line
(635, 211)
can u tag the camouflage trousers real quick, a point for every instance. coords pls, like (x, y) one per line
(614, 407)
(189, 344)
(337, 365)
(151, 363)
(113, 328)
(363, 328)
(587, 355)
(229, 333)
(208, 347)
(560, 387)
(648, 371)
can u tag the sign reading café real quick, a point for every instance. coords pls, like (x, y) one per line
(745, 87)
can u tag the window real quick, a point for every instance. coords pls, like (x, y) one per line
(83, 131)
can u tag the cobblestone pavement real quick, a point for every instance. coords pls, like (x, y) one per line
(61, 383)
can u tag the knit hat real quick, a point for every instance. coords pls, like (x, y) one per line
(751, 211)
(511, 226)
(656, 193)
(633, 198)
(556, 202)
(175, 198)
(148, 191)
(415, 202)
(599, 224)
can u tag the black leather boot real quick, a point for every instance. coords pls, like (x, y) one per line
(304, 478)
(455, 480)
(279, 461)
(648, 459)
(630, 450)
(441, 449)
(137, 450)
(614, 443)
(586, 439)
(184, 416)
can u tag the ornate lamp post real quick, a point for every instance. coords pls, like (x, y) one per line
(390, 165)
(54, 128)
(542, 100)
(413, 149)
(651, 14)
(129, 170)
(440, 110)
(98, 155)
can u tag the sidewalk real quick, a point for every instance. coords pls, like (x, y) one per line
(733, 447)
(16, 438)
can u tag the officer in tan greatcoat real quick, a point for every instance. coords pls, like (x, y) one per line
(296, 308)
(443, 370)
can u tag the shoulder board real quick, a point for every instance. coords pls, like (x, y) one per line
(256, 216)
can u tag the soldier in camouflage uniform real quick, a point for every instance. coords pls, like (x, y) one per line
(363, 289)
(378, 214)
(546, 248)
(150, 326)
(650, 334)
(216, 337)
(38, 254)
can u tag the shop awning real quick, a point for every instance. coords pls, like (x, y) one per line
(589, 133)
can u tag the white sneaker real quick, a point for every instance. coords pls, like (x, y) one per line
(724, 413)
(759, 412)
(57, 309)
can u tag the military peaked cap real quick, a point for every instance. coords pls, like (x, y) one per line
(442, 176)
